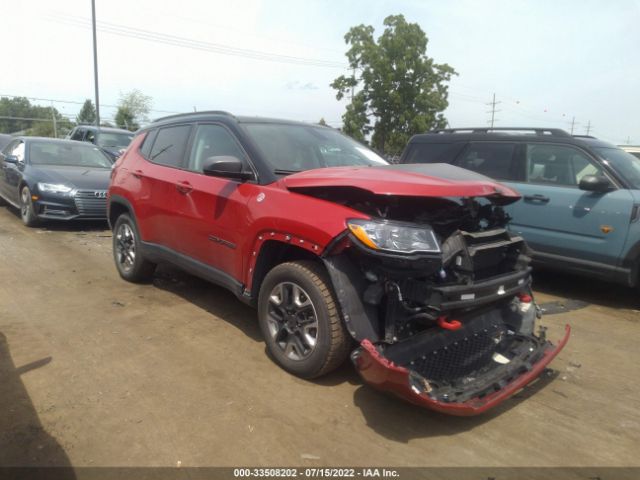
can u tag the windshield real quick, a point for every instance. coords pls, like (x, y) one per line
(627, 166)
(119, 140)
(294, 148)
(67, 154)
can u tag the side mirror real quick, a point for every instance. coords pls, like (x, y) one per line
(225, 166)
(595, 183)
(11, 159)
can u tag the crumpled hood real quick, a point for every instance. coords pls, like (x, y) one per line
(78, 177)
(415, 180)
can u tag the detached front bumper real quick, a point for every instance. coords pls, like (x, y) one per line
(384, 374)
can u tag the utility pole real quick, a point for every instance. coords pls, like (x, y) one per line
(493, 110)
(588, 127)
(573, 123)
(628, 141)
(95, 62)
(55, 125)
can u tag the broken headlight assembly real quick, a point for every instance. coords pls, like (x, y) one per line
(394, 237)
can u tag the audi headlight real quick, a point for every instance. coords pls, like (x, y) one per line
(394, 237)
(55, 188)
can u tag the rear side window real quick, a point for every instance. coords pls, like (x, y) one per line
(170, 144)
(433, 152)
(495, 160)
(147, 143)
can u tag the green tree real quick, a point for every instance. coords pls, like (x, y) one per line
(17, 114)
(125, 119)
(400, 89)
(87, 114)
(133, 108)
(322, 122)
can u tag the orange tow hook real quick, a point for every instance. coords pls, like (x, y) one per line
(448, 324)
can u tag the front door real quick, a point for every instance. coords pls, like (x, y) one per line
(562, 222)
(212, 212)
(11, 173)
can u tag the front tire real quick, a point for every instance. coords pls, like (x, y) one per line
(127, 252)
(300, 320)
(27, 212)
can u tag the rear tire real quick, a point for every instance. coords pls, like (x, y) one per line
(300, 320)
(127, 251)
(27, 213)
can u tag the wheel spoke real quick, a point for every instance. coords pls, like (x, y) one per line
(292, 321)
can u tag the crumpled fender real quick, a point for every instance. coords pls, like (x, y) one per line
(383, 374)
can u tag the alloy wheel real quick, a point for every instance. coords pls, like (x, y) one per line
(125, 247)
(292, 320)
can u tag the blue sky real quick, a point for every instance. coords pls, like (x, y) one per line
(547, 61)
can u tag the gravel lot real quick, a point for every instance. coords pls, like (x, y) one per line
(96, 371)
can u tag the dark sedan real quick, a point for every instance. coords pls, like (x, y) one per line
(54, 179)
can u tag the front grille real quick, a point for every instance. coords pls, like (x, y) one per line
(461, 357)
(91, 203)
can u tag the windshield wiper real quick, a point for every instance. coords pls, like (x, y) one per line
(281, 171)
(153, 157)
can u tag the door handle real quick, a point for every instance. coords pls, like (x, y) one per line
(536, 198)
(138, 173)
(184, 187)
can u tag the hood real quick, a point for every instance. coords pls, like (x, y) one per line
(414, 180)
(79, 177)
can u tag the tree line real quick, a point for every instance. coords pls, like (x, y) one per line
(19, 115)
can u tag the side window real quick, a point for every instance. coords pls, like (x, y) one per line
(170, 144)
(212, 141)
(558, 165)
(145, 148)
(495, 160)
(433, 152)
(78, 134)
(18, 151)
(8, 150)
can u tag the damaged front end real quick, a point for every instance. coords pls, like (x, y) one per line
(438, 293)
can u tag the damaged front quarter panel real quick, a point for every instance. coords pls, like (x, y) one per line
(452, 331)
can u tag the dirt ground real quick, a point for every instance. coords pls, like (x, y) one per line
(98, 372)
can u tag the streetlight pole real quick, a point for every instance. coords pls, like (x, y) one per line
(95, 62)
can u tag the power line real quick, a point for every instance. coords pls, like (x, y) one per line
(140, 34)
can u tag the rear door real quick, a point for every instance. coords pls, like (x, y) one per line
(159, 196)
(561, 222)
(212, 214)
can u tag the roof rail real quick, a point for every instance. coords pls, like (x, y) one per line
(190, 114)
(583, 136)
(558, 132)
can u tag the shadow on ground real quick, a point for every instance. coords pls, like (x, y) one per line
(23, 440)
(66, 225)
(585, 289)
(215, 300)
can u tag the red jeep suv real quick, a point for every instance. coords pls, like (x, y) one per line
(408, 267)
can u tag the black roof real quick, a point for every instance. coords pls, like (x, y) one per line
(222, 115)
(516, 134)
(105, 129)
(75, 143)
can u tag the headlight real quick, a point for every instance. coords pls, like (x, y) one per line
(56, 188)
(394, 237)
